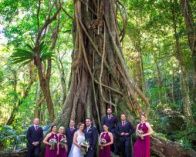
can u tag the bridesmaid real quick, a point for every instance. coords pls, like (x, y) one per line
(142, 144)
(51, 141)
(61, 148)
(105, 142)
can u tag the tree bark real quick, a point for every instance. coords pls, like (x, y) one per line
(44, 75)
(62, 77)
(44, 80)
(39, 101)
(191, 33)
(183, 74)
(99, 73)
(159, 79)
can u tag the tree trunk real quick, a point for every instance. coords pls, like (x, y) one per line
(138, 71)
(44, 75)
(183, 74)
(159, 79)
(191, 32)
(39, 100)
(99, 74)
(24, 96)
(165, 148)
(62, 77)
(44, 79)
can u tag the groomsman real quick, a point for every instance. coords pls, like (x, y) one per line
(111, 121)
(70, 133)
(34, 139)
(124, 131)
(91, 135)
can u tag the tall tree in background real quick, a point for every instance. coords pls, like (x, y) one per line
(41, 52)
(191, 33)
(183, 75)
(99, 73)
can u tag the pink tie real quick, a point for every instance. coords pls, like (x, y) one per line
(123, 123)
(36, 127)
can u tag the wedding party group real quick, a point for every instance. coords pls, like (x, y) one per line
(84, 140)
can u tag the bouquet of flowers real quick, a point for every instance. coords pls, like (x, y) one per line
(63, 142)
(84, 147)
(139, 133)
(102, 141)
(52, 143)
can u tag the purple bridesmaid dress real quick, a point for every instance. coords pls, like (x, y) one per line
(105, 151)
(62, 150)
(48, 151)
(142, 146)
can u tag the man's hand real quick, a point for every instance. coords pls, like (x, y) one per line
(122, 134)
(35, 143)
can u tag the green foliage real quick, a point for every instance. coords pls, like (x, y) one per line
(25, 56)
(11, 139)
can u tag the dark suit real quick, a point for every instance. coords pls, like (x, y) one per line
(91, 135)
(34, 135)
(69, 135)
(124, 141)
(111, 121)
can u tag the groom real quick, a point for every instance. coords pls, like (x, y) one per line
(91, 135)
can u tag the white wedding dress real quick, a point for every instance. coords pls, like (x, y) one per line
(75, 151)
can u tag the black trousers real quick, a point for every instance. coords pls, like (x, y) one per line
(125, 147)
(69, 148)
(33, 151)
(91, 152)
(114, 145)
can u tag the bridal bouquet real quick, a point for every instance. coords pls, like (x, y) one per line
(63, 142)
(139, 133)
(84, 147)
(52, 143)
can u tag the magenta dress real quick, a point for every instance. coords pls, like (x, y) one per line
(62, 150)
(48, 151)
(105, 151)
(142, 146)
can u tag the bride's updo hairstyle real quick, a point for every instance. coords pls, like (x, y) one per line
(79, 124)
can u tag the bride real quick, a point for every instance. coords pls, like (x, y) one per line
(77, 140)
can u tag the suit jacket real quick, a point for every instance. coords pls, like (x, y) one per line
(69, 135)
(34, 135)
(110, 122)
(127, 128)
(91, 136)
